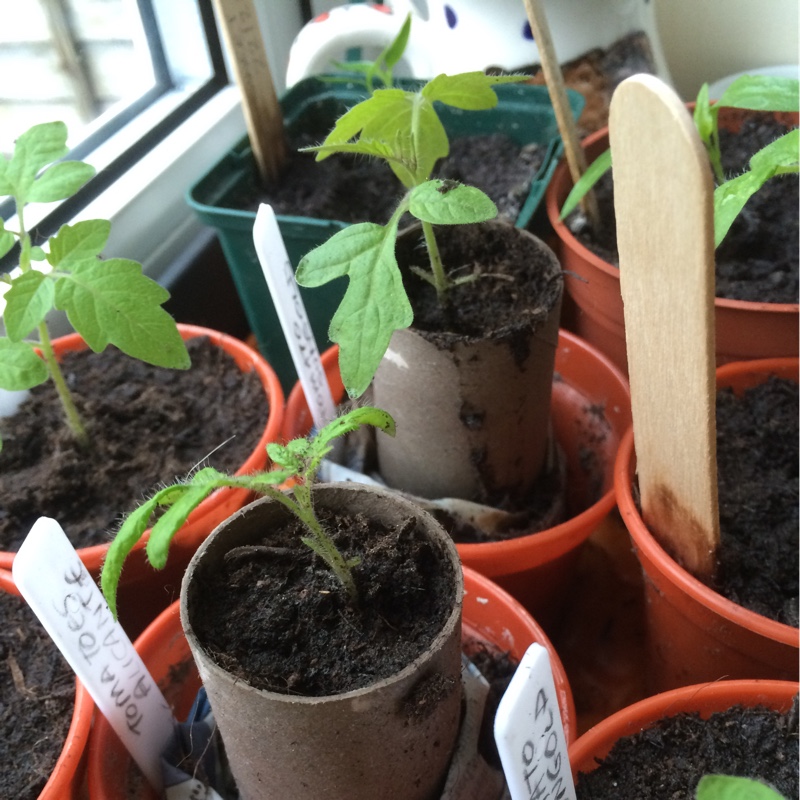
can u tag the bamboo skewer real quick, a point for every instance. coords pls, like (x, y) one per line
(262, 112)
(573, 152)
(663, 192)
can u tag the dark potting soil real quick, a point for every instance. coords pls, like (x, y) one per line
(37, 698)
(361, 189)
(277, 617)
(758, 259)
(757, 446)
(512, 285)
(148, 425)
(666, 762)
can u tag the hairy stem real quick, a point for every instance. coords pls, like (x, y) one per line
(74, 422)
(440, 280)
(319, 541)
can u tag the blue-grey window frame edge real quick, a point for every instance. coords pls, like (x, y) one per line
(119, 165)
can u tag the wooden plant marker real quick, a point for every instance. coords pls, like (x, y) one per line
(262, 112)
(663, 193)
(554, 78)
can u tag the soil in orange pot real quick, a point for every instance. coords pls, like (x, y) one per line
(149, 425)
(37, 697)
(758, 259)
(668, 760)
(757, 440)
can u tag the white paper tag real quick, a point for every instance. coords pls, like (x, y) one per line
(54, 582)
(292, 315)
(529, 734)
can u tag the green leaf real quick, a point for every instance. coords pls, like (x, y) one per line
(366, 147)
(27, 303)
(593, 173)
(471, 91)
(20, 367)
(287, 456)
(375, 303)
(112, 302)
(133, 528)
(171, 521)
(450, 203)
(351, 421)
(704, 119)
(390, 102)
(394, 51)
(405, 121)
(730, 199)
(60, 181)
(35, 149)
(780, 156)
(73, 244)
(729, 787)
(762, 93)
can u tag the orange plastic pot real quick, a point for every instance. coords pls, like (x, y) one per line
(67, 778)
(590, 411)
(143, 592)
(694, 633)
(744, 330)
(705, 699)
(489, 614)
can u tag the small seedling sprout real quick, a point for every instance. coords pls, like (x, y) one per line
(729, 787)
(296, 462)
(403, 128)
(106, 301)
(752, 92)
(382, 68)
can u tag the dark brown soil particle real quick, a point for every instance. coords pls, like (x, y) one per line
(282, 622)
(668, 760)
(148, 426)
(37, 697)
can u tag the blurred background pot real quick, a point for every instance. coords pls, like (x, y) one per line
(593, 306)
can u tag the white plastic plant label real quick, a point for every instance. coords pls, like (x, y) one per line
(529, 734)
(54, 582)
(292, 314)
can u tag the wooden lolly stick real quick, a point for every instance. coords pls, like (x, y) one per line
(262, 112)
(663, 192)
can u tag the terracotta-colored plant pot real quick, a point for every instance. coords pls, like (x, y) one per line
(143, 592)
(696, 634)
(744, 330)
(705, 699)
(590, 410)
(66, 779)
(489, 614)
